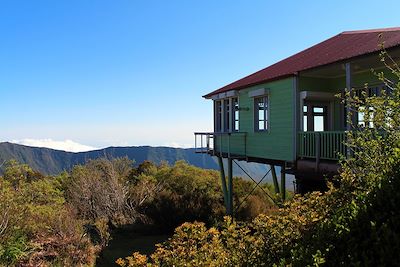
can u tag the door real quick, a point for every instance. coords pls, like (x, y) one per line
(315, 116)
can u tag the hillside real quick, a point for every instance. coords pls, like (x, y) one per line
(51, 162)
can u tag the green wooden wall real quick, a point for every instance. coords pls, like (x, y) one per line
(277, 142)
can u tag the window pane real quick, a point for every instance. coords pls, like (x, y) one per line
(226, 103)
(261, 125)
(235, 103)
(305, 123)
(304, 108)
(261, 115)
(318, 110)
(236, 125)
(361, 117)
(318, 123)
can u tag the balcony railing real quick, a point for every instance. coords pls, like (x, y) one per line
(231, 144)
(321, 145)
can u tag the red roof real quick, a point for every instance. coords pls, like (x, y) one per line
(343, 46)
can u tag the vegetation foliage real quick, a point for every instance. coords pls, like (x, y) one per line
(66, 220)
(354, 223)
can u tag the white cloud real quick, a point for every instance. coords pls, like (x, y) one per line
(178, 145)
(66, 145)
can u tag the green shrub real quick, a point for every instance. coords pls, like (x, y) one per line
(36, 225)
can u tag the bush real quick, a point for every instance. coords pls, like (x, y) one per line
(188, 194)
(36, 226)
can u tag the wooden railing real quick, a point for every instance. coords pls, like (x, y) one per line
(231, 144)
(321, 145)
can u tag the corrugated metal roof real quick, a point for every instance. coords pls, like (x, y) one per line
(343, 46)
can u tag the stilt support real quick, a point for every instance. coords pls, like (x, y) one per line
(274, 179)
(223, 181)
(230, 188)
(283, 182)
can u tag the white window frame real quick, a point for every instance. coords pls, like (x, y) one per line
(266, 110)
(234, 118)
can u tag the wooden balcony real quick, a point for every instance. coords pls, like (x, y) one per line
(321, 145)
(228, 144)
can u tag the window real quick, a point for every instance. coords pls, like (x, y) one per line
(319, 119)
(363, 114)
(315, 117)
(226, 115)
(372, 91)
(235, 105)
(218, 116)
(261, 113)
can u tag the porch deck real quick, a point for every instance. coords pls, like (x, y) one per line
(326, 145)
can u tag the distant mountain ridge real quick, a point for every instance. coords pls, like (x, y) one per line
(51, 162)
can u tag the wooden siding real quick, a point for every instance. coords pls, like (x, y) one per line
(277, 142)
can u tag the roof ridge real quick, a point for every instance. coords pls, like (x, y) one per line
(372, 30)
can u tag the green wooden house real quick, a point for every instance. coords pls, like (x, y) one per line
(289, 115)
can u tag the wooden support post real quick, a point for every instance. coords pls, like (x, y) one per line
(297, 115)
(283, 182)
(353, 119)
(230, 188)
(223, 182)
(274, 178)
(317, 151)
(349, 86)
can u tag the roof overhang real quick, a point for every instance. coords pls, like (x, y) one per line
(231, 93)
(342, 47)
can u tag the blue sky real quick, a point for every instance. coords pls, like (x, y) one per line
(104, 73)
